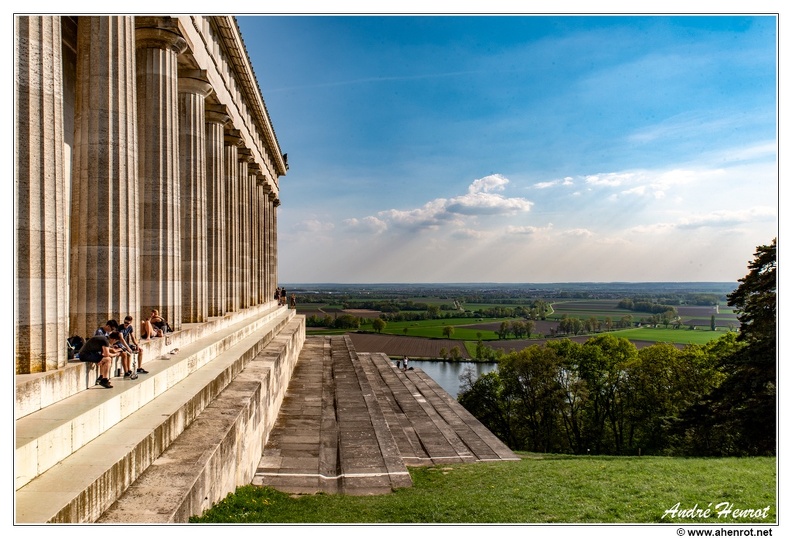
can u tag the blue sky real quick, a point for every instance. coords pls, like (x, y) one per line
(521, 148)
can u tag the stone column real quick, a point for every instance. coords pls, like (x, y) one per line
(261, 297)
(253, 169)
(158, 45)
(270, 266)
(193, 89)
(216, 118)
(104, 208)
(41, 272)
(274, 239)
(232, 144)
(245, 157)
(265, 228)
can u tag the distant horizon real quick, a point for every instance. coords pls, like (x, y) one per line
(504, 283)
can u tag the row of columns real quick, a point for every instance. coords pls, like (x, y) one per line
(168, 209)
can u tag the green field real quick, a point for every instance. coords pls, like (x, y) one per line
(679, 336)
(434, 328)
(537, 489)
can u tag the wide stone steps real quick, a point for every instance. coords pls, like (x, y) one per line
(351, 423)
(220, 450)
(74, 458)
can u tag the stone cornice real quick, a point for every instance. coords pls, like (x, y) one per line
(239, 60)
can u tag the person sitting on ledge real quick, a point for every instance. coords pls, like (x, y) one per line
(127, 331)
(154, 326)
(117, 343)
(99, 350)
(159, 323)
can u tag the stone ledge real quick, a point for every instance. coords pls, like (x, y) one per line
(220, 450)
(87, 482)
(48, 436)
(39, 390)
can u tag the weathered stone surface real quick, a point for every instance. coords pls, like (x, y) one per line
(375, 420)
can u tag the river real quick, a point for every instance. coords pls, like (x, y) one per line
(447, 373)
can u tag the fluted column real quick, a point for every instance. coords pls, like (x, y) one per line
(274, 240)
(232, 144)
(270, 251)
(254, 236)
(158, 45)
(216, 118)
(245, 157)
(105, 238)
(261, 297)
(41, 272)
(193, 89)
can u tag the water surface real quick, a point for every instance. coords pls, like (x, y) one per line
(447, 373)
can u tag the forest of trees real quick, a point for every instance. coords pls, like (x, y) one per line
(607, 397)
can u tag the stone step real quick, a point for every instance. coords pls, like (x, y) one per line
(352, 451)
(373, 419)
(109, 437)
(220, 450)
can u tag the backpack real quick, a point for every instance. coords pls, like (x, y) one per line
(73, 346)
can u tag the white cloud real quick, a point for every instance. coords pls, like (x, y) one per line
(727, 218)
(312, 226)
(715, 219)
(468, 234)
(494, 182)
(479, 200)
(578, 233)
(529, 230)
(368, 224)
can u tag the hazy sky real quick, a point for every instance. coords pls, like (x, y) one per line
(521, 148)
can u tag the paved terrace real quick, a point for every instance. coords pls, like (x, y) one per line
(351, 423)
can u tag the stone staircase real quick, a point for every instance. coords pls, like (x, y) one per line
(204, 411)
(351, 423)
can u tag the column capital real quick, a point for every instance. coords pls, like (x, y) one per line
(217, 114)
(194, 81)
(245, 154)
(233, 137)
(159, 33)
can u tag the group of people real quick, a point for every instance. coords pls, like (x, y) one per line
(399, 363)
(283, 299)
(114, 340)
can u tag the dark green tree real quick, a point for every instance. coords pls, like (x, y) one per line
(739, 417)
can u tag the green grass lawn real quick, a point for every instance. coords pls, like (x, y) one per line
(537, 489)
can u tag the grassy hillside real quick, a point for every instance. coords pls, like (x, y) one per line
(538, 489)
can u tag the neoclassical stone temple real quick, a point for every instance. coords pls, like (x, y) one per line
(147, 175)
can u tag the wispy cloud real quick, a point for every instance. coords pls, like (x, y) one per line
(715, 219)
(312, 226)
(370, 225)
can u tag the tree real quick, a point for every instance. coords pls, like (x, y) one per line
(378, 324)
(739, 416)
(448, 331)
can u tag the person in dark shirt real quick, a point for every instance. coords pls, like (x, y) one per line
(99, 349)
(127, 331)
